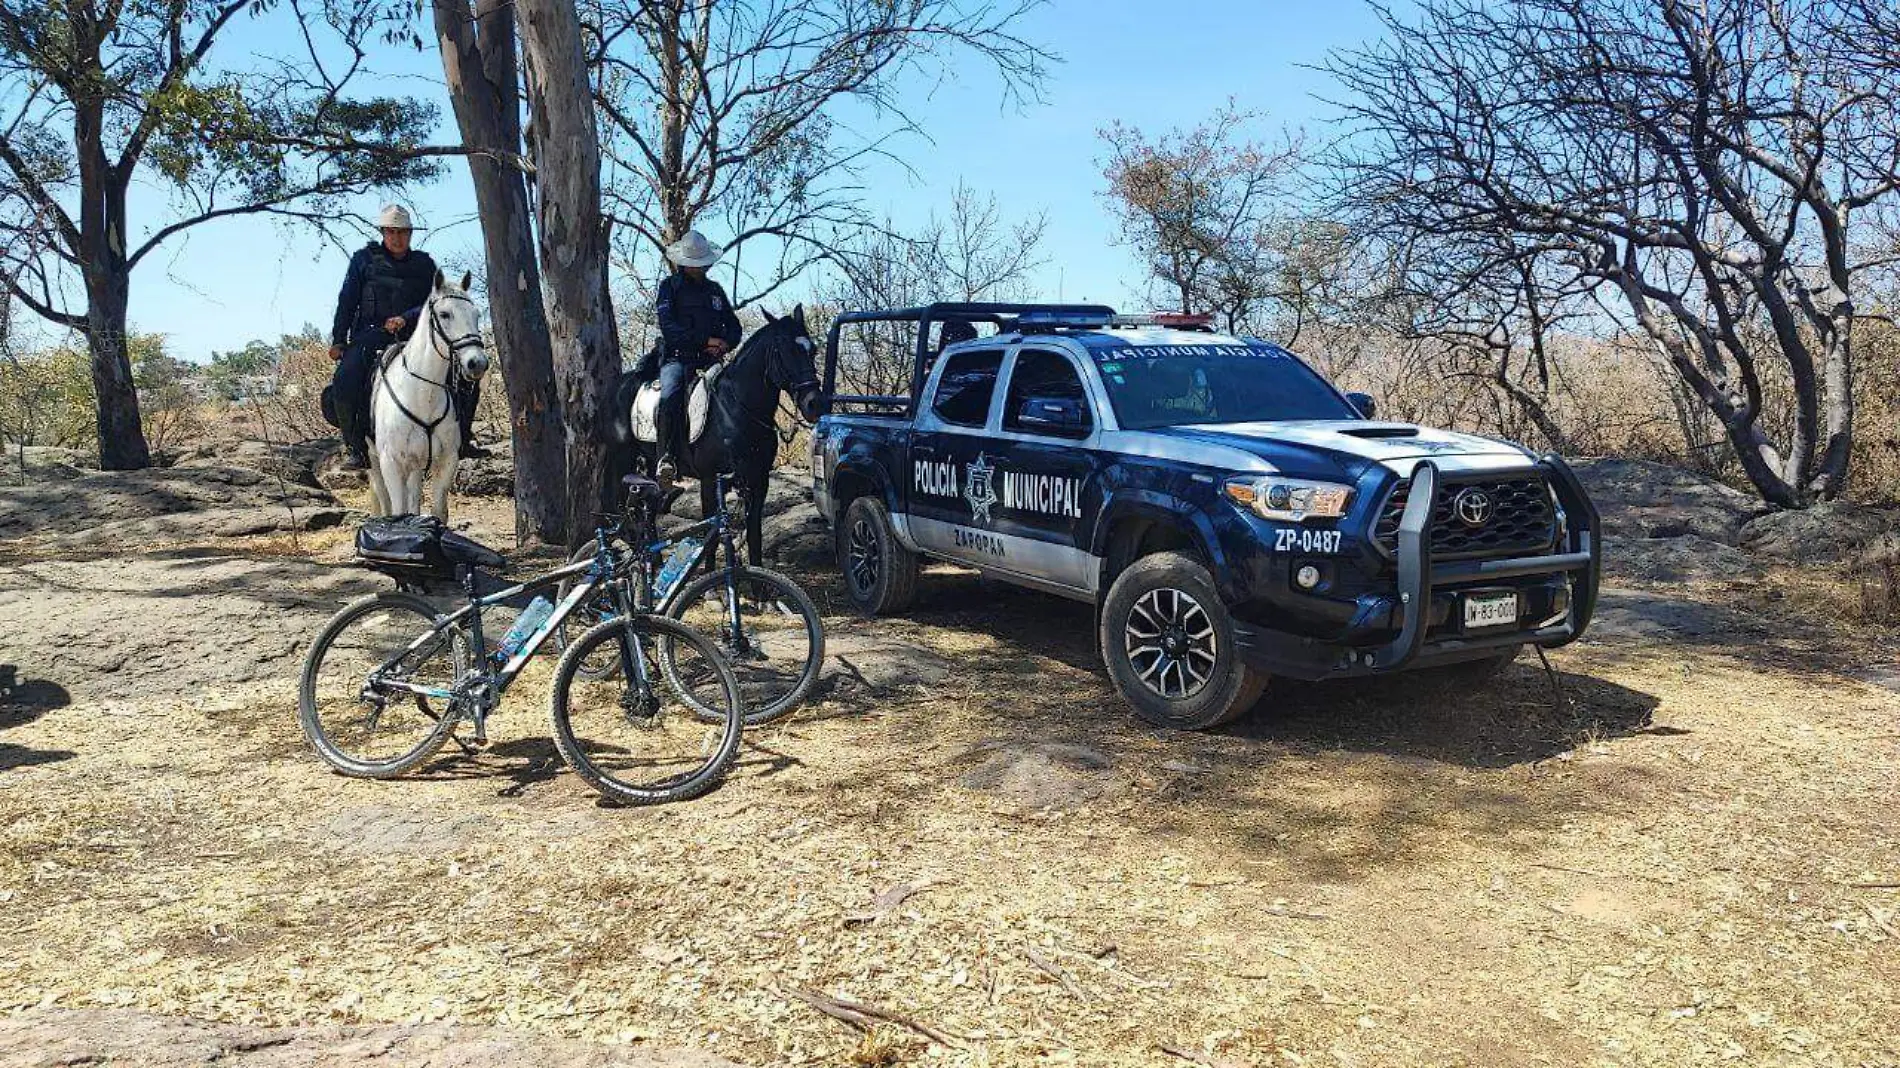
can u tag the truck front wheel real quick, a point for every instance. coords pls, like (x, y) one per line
(880, 574)
(1169, 646)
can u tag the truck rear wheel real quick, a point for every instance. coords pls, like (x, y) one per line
(1169, 646)
(880, 575)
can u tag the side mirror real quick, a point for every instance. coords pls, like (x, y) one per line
(1064, 416)
(1363, 402)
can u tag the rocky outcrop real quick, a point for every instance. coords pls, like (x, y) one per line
(1639, 499)
(1684, 558)
(292, 463)
(1828, 532)
(74, 507)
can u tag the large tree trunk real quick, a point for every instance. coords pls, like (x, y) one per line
(573, 249)
(122, 444)
(108, 281)
(478, 60)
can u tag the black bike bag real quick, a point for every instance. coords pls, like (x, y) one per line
(420, 544)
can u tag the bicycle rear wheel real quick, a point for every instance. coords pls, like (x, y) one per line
(359, 702)
(778, 645)
(639, 737)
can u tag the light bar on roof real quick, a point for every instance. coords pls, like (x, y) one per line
(1174, 320)
(1030, 321)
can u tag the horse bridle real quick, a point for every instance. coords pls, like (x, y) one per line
(473, 339)
(778, 404)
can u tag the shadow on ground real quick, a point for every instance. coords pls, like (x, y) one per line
(1336, 780)
(21, 702)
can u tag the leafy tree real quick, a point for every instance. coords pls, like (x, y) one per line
(96, 95)
(1205, 211)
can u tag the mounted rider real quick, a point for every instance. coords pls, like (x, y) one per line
(380, 302)
(698, 328)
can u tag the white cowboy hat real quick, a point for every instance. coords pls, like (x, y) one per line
(394, 217)
(694, 250)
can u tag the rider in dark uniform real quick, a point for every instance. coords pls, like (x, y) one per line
(697, 329)
(382, 297)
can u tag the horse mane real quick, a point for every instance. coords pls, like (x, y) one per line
(749, 348)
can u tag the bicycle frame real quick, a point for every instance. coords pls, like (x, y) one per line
(599, 571)
(719, 529)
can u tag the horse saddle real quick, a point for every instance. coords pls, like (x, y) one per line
(646, 406)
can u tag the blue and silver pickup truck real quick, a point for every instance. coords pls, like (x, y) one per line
(1231, 515)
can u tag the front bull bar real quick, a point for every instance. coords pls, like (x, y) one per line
(1417, 577)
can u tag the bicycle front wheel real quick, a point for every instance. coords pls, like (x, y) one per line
(374, 700)
(767, 628)
(638, 735)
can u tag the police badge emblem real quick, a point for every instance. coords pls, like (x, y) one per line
(978, 488)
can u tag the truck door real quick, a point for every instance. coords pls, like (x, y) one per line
(1048, 475)
(950, 488)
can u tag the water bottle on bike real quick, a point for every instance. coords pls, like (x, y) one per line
(679, 557)
(538, 612)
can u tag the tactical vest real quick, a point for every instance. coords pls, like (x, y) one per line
(392, 286)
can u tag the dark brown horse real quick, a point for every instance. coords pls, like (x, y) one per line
(741, 435)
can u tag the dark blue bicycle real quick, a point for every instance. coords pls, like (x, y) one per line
(646, 710)
(765, 625)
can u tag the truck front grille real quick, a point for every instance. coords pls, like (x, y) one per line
(1521, 519)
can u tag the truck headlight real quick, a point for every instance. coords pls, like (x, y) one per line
(1290, 499)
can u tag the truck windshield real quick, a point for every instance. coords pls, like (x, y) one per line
(1215, 384)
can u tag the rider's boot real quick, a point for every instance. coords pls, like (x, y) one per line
(355, 441)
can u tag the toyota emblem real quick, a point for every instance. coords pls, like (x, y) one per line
(1472, 507)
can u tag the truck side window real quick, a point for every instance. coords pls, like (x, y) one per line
(964, 391)
(1042, 374)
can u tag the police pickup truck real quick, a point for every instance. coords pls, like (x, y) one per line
(1231, 515)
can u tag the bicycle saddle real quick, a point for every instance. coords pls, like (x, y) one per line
(648, 493)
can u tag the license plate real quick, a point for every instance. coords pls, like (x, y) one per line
(1490, 610)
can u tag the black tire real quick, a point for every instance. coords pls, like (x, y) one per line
(880, 575)
(781, 643)
(1190, 676)
(331, 696)
(606, 729)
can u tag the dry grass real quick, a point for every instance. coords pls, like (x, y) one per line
(1660, 870)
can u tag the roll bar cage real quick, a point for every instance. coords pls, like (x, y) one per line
(1002, 314)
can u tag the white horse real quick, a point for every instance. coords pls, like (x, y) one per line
(412, 406)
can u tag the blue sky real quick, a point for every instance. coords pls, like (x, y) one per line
(1146, 64)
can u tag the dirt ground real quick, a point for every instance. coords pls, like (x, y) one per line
(1680, 850)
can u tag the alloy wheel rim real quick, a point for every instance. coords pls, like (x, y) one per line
(865, 555)
(1170, 643)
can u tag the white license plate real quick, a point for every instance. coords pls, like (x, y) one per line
(1490, 609)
